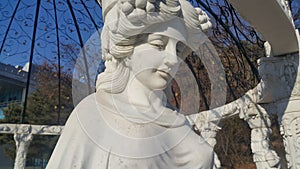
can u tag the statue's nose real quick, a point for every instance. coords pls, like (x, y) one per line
(171, 60)
(171, 56)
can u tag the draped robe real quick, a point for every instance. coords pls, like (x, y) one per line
(105, 133)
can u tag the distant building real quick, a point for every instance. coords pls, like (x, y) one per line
(12, 89)
(13, 81)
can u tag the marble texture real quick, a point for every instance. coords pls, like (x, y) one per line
(127, 123)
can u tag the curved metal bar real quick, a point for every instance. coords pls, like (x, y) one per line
(9, 25)
(30, 60)
(237, 42)
(90, 16)
(58, 61)
(82, 46)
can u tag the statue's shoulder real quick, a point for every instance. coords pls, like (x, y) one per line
(88, 102)
(95, 102)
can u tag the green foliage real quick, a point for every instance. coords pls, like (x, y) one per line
(47, 104)
(7, 140)
(12, 115)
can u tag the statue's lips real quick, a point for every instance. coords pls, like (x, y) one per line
(164, 73)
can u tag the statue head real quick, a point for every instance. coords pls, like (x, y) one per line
(129, 25)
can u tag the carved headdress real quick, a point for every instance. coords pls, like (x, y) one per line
(124, 19)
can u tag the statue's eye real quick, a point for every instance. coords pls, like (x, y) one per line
(181, 50)
(158, 44)
(180, 47)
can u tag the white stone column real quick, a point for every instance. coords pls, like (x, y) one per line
(22, 143)
(281, 93)
(290, 130)
(260, 125)
(257, 118)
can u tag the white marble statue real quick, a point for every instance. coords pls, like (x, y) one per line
(126, 123)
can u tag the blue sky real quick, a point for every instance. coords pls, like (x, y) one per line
(18, 32)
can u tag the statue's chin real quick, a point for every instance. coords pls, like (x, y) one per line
(157, 85)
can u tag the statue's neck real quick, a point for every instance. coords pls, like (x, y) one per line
(136, 94)
(139, 95)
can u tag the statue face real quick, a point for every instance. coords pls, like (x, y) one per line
(155, 62)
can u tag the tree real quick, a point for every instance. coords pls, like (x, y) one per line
(233, 143)
(47, 104)
(51, 102)
(12, 115)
